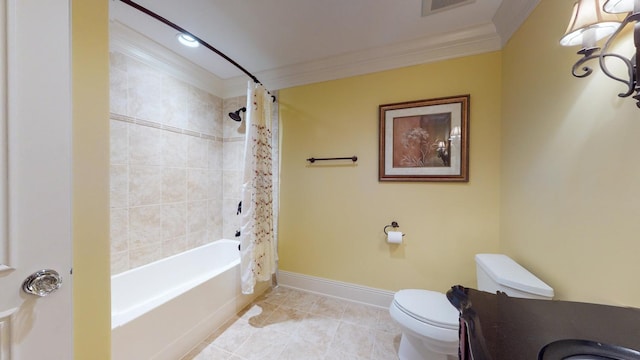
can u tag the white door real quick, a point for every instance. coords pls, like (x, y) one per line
(35, 178)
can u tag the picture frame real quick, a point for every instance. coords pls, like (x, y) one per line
(425, 140)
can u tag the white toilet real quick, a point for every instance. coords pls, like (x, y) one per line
(429, 322)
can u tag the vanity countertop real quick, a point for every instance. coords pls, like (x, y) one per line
(499, 327)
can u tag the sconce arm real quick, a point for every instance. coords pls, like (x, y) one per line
(580, 70)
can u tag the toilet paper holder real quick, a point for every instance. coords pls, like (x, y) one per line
(394, 225)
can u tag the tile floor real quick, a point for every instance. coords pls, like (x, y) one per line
(290, 324)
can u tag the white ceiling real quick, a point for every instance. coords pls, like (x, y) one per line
(293, 42)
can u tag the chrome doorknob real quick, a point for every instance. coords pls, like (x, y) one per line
(42, 283)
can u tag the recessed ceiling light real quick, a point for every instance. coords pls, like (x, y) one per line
(187, 40)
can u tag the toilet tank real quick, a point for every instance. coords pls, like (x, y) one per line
(497, 272)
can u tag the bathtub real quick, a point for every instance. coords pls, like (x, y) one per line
(164, 309)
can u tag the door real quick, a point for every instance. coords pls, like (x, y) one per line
(35, 178)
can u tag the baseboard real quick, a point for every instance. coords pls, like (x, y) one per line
(347, 291)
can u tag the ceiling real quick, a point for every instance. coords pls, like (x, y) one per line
(293, 42)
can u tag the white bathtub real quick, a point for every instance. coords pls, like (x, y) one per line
(164, 309)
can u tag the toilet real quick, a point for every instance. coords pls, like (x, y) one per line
(429, 323)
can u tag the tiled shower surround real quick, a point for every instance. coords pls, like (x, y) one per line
(175, 165)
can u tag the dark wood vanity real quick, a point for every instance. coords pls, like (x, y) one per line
(499, 327)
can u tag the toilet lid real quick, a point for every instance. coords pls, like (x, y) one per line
(427, 306)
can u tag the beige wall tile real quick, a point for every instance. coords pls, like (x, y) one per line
(174, 246)
(119, 262)
(119, 230)
(215, 184)
(196, 216)
(174, 149)
(144, 255)
(145, 185)
(197, 184)
(119, 185)
(214, 155)
(145, 226)
(196, 239)
(119, 142)
(174, 220)
(144, 92)
(155, 171)
(197, 114)
(174, 185)
(232, 184)
(118, 91)
(232, 155)
(216, 117)
(145, 145)
(198, 151)
(214, 219)
(176, 95)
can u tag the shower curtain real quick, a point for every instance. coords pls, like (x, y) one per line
(258, 239)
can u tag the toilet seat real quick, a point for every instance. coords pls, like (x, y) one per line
(428, 307)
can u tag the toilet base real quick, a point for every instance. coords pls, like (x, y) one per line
(412, 348)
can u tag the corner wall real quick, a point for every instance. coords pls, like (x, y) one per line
(332, 214)
(570, 208)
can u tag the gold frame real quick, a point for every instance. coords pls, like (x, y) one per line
(425, 140)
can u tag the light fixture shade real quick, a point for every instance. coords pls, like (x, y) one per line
(589, 24)
(618, 6)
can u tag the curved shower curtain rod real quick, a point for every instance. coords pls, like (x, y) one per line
(204, 43)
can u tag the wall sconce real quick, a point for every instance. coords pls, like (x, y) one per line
(593, 20)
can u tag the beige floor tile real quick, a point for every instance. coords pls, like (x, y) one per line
(334, 354)
(258, 313)
(329, 307)
(263, 344)
(212, 352)
(234, 336)
(288, 324)
(385, 346)
(298, 349)
(362, 315)
(301, 300)
(284, 319)
(276, 296)
(317, 329)
(353, 340)
(386, 323)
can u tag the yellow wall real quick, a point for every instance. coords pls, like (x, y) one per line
(332, 214)
(570, 194)
(91, 296)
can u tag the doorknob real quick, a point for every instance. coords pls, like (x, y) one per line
(42, 282)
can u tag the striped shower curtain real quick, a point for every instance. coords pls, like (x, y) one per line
(258, 242)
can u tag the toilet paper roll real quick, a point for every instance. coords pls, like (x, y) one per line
(394, 237)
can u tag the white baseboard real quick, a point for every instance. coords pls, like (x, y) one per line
(347, 291)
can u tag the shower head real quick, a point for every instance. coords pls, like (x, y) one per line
(235, 116)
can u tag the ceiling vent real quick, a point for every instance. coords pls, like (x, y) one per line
(431, 6)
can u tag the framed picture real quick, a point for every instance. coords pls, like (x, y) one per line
(425, 140)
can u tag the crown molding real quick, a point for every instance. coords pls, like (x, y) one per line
(510, 15)
(127, 41)
(470, 41)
